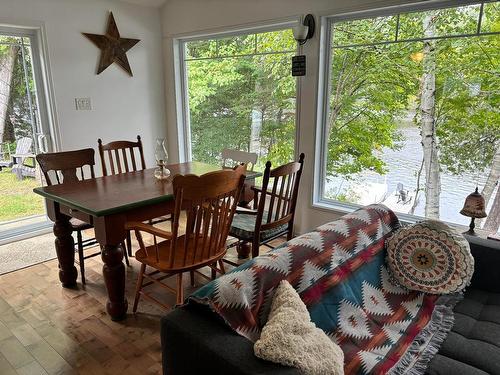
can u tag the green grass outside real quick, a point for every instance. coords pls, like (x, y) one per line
(17, 199)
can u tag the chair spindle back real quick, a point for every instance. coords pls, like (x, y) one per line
(209, 201)
(117, 157)
(280, 188)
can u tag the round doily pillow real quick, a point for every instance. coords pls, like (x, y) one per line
(430, 257)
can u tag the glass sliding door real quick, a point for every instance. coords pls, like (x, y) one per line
(23, 133)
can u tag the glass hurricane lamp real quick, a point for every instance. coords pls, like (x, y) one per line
(161, 156)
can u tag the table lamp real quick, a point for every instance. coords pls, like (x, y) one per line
(474, 207)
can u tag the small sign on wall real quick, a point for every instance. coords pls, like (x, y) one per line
(83, 104)
(299, 65)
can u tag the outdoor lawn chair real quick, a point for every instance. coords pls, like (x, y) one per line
(23, 147)
(18, 159)
(230, 158)
(5, 156)
(237, 157)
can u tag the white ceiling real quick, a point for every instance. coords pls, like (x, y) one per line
(151, 3)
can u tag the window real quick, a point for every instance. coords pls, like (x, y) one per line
(411, 111)
(240, 95)
(25, 130)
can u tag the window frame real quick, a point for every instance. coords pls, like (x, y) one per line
(324, 87)
(36, 32)
(181, 79)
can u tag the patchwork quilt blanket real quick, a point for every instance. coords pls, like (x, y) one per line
(340, 273)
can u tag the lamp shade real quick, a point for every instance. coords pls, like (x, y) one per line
(300, 32)
(474, 205)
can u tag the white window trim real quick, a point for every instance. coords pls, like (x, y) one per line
(180, 73)
(324, 71)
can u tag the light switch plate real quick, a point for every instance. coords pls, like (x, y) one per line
(83, 104)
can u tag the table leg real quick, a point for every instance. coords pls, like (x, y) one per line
(65, 249)
(114, 277)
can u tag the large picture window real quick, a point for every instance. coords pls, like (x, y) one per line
(412, 114)
(240, 95)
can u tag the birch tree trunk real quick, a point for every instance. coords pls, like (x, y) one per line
(493, 220)
(255, 130)
(6, 70)
(428, 122)
(493, 177)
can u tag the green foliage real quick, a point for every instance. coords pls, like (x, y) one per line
(447, 21)
(370, 91)
(468, 118)
(19, 122)
(362, 31)
(373, 87)
(229, 79)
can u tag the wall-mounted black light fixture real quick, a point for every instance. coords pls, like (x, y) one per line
(304, 31)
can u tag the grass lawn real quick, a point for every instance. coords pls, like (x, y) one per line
(17, 198)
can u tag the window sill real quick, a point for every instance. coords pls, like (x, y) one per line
(346, 208)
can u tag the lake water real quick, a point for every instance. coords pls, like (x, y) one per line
(403, 165)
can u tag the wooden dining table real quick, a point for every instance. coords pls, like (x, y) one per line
(108, 203)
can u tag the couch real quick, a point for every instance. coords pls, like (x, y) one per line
(195, 340)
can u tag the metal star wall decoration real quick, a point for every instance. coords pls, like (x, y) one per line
(113, 47)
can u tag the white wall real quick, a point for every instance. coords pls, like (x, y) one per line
(122, 106)
(184, 17)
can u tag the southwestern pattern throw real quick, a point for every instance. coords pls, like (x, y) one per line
(340, 274)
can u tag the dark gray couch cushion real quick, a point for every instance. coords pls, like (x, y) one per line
(473, 345)
(196, 341)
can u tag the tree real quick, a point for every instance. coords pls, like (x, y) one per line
(366, 106)
(8, 55)
(239, 99)
(428, 121)
(18, 104)
(493, 220)
(467, 116)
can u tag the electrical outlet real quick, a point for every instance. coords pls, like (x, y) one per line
(83, 104)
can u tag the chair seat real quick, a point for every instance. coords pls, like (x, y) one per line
(148, 256)
(473, 345)
(78, 224)
(243, 227)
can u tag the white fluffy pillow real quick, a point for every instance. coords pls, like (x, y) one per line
(290, 338)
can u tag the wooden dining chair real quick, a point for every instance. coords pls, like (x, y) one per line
(230, 158)
(209, 202)
(274, 208)
(120, 157)
(69, 167)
